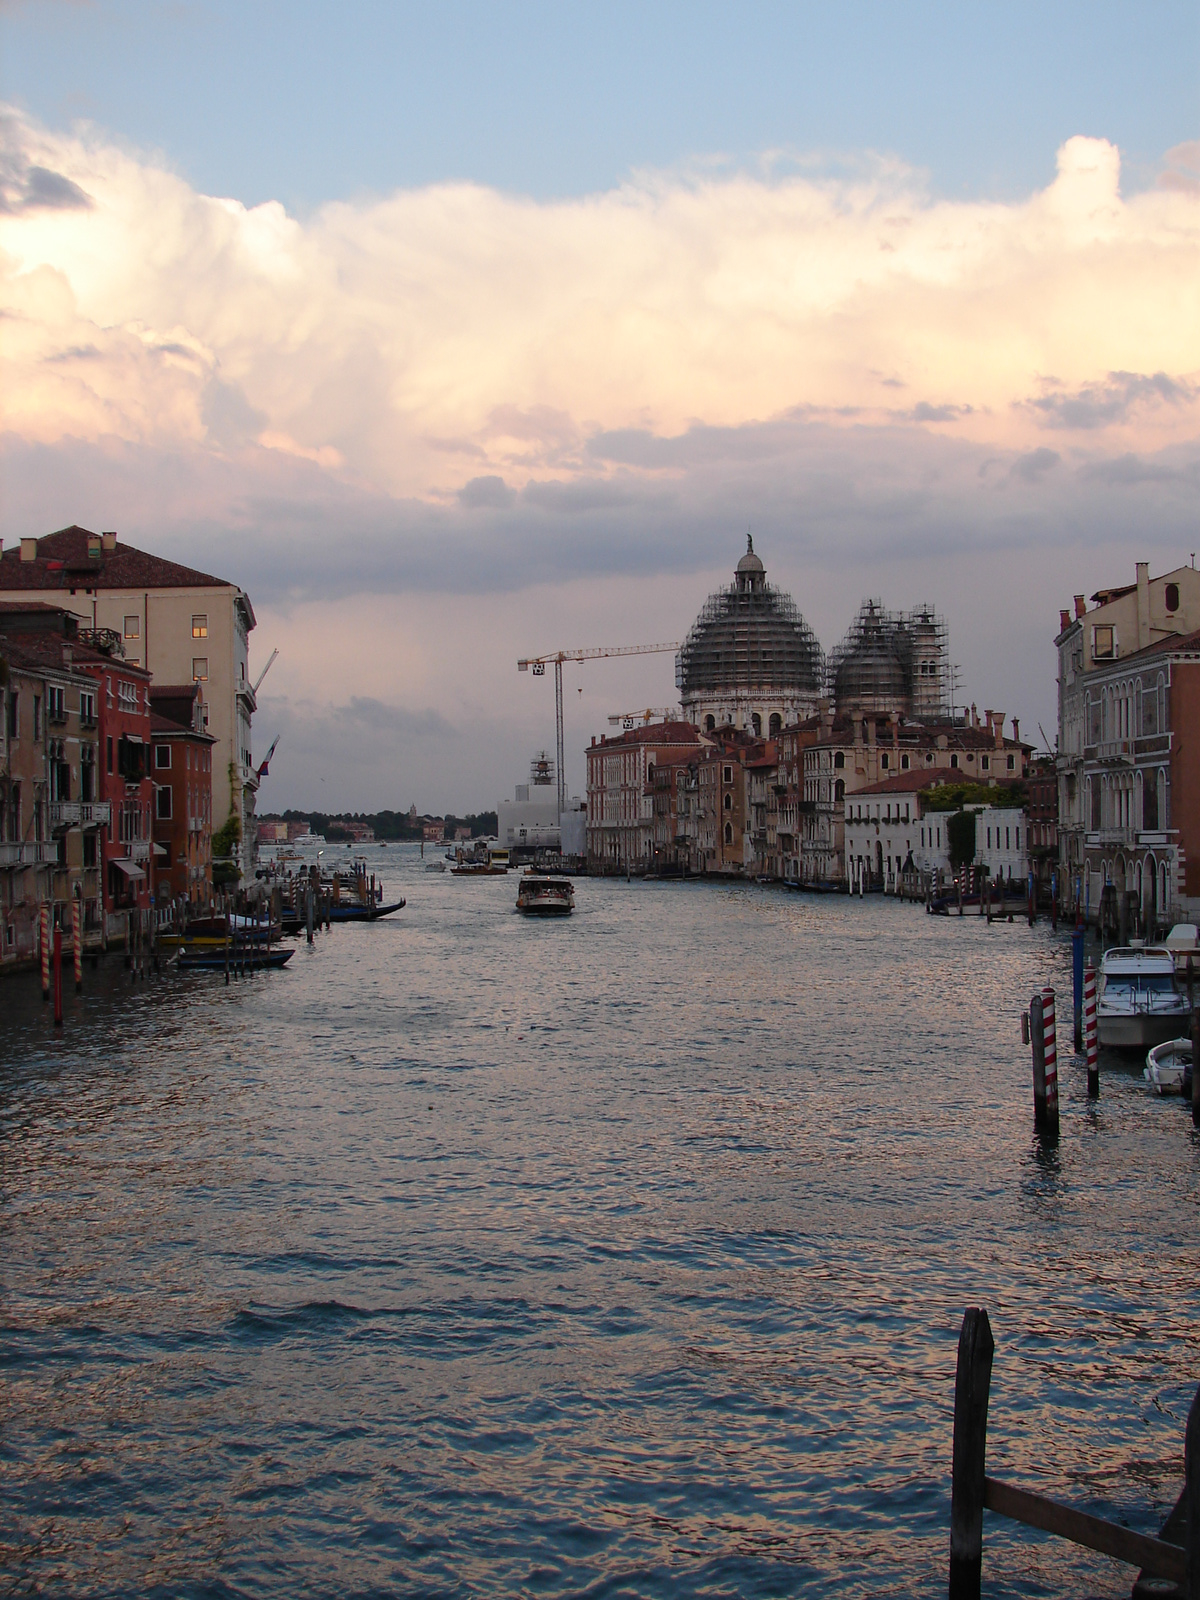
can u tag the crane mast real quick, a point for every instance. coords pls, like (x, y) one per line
(597, 653)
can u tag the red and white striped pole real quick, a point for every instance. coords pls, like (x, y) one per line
(1090, 1046)
(77, 943)
(58, 998)
(44, 947)
(1051, 1039)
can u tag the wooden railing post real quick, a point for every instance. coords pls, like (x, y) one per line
(972, 1385)
(1191, 1492)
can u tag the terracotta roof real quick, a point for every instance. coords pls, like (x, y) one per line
(655, 733)
(63, 562)
(903, 783)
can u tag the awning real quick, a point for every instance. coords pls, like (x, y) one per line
(133, 738)
(161, 850)
(130, 868)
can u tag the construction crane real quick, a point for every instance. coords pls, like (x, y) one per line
(538, 665)
(631, 719)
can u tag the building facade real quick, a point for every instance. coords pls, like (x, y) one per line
(1126, 791)
(179, 624)
(182, 774)
(620, 792)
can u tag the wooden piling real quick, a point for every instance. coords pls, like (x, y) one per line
(972, 1386)
(1196, 1077)
(44, 947)
(1038, 1051)
(77, 943)
(1090, 1045)
(1050, 1042)
(1191, 1476)
(58, 995)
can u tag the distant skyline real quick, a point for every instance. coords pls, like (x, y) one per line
(460, 334)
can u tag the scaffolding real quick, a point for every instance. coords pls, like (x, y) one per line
(749, 638)
(892, 661)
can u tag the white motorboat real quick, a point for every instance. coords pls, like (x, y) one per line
(1168, 1065)
(435, 866)
(541, 896)
(1138, 1003)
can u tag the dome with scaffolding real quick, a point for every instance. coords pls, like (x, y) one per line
(750, 661)
(891, 662)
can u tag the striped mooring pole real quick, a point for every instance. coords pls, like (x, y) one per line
(44, 945)
(77, 943)
(1090, 1045)
(1050, 1036)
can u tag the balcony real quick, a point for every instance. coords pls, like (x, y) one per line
(64, 813)
(95, 813)
(56, 716)
(137, 849)
(89, 720)
(34, 853)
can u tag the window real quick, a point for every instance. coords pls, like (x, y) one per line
(839, 759)
(710, 724)
(89, 848)
(56, 703)
(87, 709)
(989, 845)
(12, 719)
(1007, 836)
(162, 757)
(954, 759)
(1104, 644)
(839, 789)
(108, 754)
(127, 696)
(199, 669)
(133, 627)
(883, 760)
(1172, 597)
(162, 797)
(200, 626)
(728, 774)
(904, 763)
(729, 802)
(985, 763)
(37, 716)
(728, 833)
(1011, 763)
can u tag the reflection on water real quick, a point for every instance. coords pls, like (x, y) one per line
(625, 1253)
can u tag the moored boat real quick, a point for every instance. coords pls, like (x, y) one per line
(1169, 1066)
(1137, 1003)
(208, 959)
(541, 896)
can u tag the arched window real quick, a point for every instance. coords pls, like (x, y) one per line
(839, 759)
(756, 724)
(775, 726)
(839, 790)
(1172, 597)
(729, 802)
(729, 833)
(710, 724)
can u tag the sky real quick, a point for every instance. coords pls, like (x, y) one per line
(460, 333)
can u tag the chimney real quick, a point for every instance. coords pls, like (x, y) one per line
(1016, 731)
(988, 715)
(974, 715)
(93, 547)
(1080, 606)
(28, 549)
(108, 542)
(1064, 621)
(1143, 604)
(998, 729)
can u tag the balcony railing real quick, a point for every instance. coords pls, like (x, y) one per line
(64, 813)
(88, 719)
(138, 849)
(95, 813)
(34, 853)
(57, 715)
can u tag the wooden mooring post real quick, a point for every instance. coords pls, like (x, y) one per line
(1044, 1050)
(1196, 1069)
(1170, 1563)
(1090, 1042)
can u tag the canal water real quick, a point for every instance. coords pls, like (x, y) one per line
(624, 1255)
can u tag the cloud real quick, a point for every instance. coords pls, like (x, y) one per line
(1116, 400)
(404, 411)
(1182, 170)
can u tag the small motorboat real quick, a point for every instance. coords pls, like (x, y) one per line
(435, 866)
(356, 912)
(540, 896)
(1169, 1067)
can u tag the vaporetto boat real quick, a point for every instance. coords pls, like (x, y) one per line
(540, 896)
